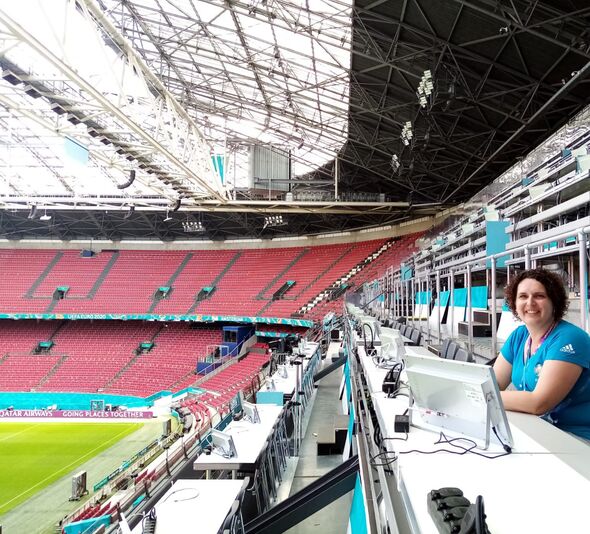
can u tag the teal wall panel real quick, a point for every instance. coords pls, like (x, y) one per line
(496, 241)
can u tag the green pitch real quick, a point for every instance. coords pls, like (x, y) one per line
(33, 455)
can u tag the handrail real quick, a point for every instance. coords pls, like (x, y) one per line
(393, 280)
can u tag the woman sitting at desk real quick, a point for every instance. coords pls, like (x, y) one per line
(547, 359)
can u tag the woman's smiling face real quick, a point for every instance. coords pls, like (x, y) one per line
(533, 306)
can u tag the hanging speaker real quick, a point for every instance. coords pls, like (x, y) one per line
(128, 182)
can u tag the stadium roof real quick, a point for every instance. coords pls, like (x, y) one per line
(111, 110)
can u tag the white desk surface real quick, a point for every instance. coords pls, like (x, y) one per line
(333, 349)
(287, 385)
(542, 487)
(194, 506)
(375, 375)
(249, 438)
(309, 350)
(522, 493)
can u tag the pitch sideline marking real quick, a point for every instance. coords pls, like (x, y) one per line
(10, 436)
(58, 471)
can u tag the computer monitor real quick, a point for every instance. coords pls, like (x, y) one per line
(459, 397)
(251, 412)
(392, 346)
(223, 444)
(283, 371)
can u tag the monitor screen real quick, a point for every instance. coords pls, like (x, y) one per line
(460, 397)
(223, 444)
(392, 345)
(251, 412)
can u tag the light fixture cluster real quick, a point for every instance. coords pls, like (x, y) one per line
(274, 221)
(407, 133)
(395, 163)
(193, 227)
(425, 88)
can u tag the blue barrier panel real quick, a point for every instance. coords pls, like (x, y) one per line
(358, 519)
(460, 297)
(444, 298)
(65, 401)
(87, 526)
(496, 241)
(479, 297)
(270, 397)
(423, 297)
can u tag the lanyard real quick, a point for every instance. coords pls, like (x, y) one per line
(529, 343)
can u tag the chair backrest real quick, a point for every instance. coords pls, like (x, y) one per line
(229, 520)
(415, 336)
(245, 484)
(462, 355)
(445, 346)
(405, 329)
(451, 350)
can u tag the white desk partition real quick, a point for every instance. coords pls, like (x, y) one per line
(457, 314)
(542, 487)
(194, 506)
(508, 323)
(249, 439)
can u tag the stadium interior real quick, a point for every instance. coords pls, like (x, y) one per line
(238, 238)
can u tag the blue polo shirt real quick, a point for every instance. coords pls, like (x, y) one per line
(567, 343)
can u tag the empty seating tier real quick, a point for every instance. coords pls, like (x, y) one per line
(127, 281)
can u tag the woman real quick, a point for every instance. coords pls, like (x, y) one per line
(547, 359)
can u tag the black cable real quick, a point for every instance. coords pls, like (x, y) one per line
(442, 439)
(480, 519)
(506, 447)
(372, 347)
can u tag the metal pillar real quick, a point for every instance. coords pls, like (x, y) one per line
(428, 308)
(452, 301)
(469, 309)
(582, 240)
(527, 258)
(439, 318)
(493, 309)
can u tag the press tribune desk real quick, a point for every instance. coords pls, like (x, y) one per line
(308, 358)
(542, 487)
(249, 439)
(194, 506)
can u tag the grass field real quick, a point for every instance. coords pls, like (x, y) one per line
(33, 455)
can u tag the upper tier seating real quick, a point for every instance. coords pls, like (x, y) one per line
(399, 251)
(126, 282)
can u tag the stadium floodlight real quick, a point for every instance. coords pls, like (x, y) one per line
(193, 227)
(274, 221)
(45, 217)
(395, 163)
(407, 133)
(168, 218)
(425, 88)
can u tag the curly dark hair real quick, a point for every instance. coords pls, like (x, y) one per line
(553, 284)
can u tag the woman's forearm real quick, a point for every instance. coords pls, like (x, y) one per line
(523, 401)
